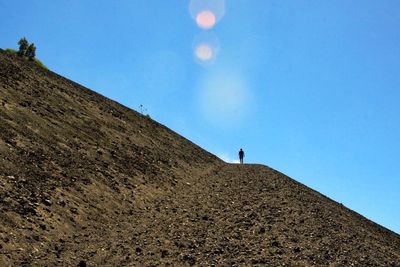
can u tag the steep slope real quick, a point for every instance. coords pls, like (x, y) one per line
(83, 178)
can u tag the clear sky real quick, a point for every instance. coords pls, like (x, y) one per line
(308, 87)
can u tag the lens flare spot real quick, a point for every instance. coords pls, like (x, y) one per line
(204, 52)
(207, 12)
(206, 19)
(205, 48)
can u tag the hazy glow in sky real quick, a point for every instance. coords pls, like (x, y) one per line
(225, 98)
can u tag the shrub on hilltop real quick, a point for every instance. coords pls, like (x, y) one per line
(31, 51)
(26, 50)
(23, 46)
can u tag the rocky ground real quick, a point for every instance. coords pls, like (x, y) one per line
(84, 180)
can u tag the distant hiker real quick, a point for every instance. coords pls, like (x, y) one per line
(241, 156)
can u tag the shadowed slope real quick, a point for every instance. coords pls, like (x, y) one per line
(84, 178)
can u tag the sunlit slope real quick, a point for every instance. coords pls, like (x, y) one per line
(83, 178)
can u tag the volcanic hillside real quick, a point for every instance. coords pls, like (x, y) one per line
(85, 180)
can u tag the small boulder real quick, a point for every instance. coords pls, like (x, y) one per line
(47, 202)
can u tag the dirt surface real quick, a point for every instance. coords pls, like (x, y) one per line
(85, 180)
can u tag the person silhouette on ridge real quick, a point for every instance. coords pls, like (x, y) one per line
(241, 156)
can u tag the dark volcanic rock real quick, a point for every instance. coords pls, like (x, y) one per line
(82, 177)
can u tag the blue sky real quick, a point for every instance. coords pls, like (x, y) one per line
(308, 87)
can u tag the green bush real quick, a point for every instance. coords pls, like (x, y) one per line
(31, 51)
(23, 46)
